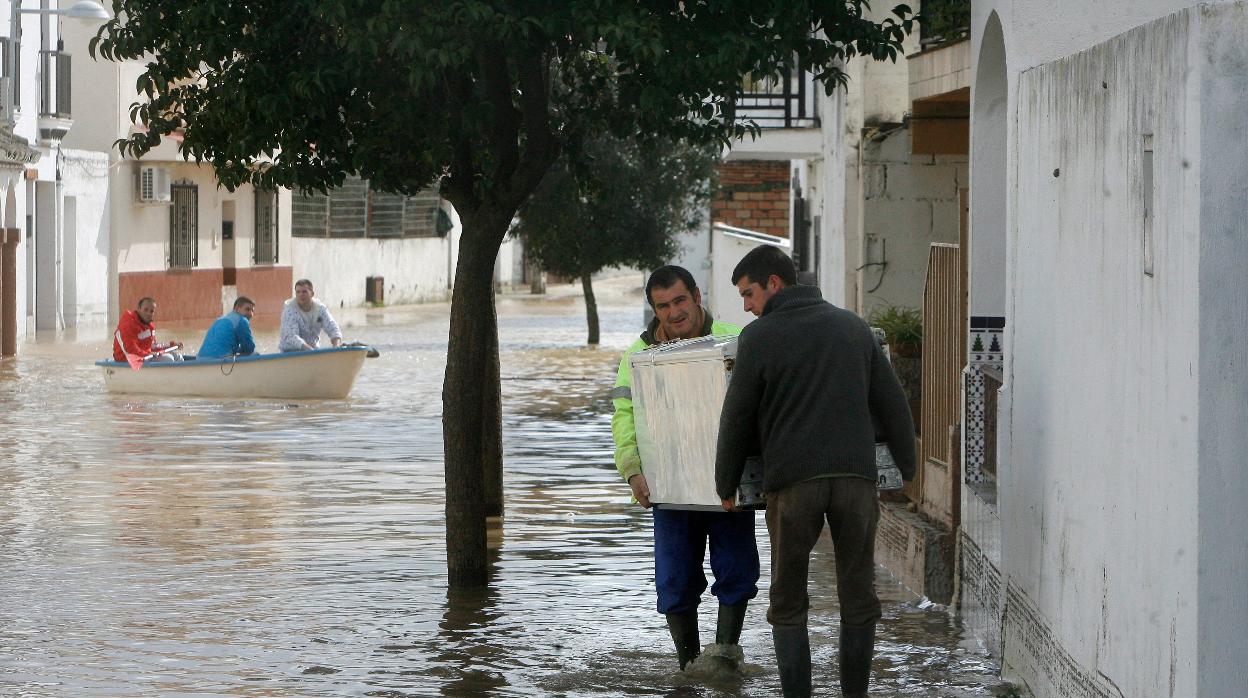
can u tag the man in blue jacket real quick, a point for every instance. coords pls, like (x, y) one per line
(231, 333)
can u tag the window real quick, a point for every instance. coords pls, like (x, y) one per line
(184, 226)
(355, 210)
(309, 215)
(265, 250)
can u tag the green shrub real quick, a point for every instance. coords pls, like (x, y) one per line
(901, 325)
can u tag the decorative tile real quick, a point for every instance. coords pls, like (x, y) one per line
(986, 349)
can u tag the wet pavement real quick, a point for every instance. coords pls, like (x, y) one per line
(165, 546)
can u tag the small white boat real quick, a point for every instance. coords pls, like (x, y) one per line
(320, 374)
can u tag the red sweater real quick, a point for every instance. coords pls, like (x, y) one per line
(133, 336)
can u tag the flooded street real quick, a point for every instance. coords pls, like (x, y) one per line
(162, 546)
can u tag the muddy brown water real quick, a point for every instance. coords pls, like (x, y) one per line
(165, 546)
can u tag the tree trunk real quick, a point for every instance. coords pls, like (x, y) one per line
(471, 404)
(591, 307)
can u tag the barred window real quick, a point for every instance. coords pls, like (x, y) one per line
(265, 245)
(309, 215)
(348, 209)
(184, 226)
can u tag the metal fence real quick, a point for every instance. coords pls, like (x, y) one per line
(944, 355)
(787, 100)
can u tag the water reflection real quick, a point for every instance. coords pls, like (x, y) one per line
(157, 546)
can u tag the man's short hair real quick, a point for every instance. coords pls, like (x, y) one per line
(666, 277)
(241, 301)
(761, 262)
(145, 299)
(304, 282)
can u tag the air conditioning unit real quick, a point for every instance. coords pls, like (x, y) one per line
(152, 186)
(7, 103)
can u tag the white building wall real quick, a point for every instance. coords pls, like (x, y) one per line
(85, 178)
(1222, 441)
(1120, 469)
(415, 269)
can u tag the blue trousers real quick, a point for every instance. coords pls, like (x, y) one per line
(680, 539)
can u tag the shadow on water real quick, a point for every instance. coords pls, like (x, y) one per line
(163, 546)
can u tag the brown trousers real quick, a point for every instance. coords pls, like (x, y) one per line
(795, 517)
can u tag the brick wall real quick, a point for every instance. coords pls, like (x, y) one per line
(753, 194)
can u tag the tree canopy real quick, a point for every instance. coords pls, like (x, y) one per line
(623, 202)
(623, 205)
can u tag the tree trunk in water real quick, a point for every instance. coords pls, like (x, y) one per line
(591, 307)
(471, 404)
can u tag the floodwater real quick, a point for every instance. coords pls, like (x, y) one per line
(161, 546)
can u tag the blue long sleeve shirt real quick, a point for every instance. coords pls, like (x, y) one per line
(230, 334)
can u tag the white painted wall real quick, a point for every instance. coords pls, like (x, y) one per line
(1121, 489)
(415, 269)
(85, 179)
(1222, 441)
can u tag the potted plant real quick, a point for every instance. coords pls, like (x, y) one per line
(903, 329)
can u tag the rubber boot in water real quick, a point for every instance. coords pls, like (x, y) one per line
(793, 657)
(728, 629)
(857, 649)
(728, 656)
(684, 629)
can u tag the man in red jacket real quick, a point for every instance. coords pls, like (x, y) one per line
(135, 338)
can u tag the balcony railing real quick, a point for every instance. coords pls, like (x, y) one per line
(54, 97)
(785, 101)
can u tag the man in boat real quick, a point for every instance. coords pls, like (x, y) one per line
(303, 319)
(136, 336)
(231, 333)
(680, 536)
(809, 384)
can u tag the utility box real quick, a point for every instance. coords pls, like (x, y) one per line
(375, 290)
(678, 393)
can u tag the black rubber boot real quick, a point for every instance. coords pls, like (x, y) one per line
(793, 657)
(857, 649)
(728, 629)
(684, 629)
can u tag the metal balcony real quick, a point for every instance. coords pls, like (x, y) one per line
(789, 100)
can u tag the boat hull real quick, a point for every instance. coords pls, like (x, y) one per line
(320, 374)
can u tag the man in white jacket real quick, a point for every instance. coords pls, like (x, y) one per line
(303, 318)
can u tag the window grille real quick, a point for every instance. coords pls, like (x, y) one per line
(184, 226)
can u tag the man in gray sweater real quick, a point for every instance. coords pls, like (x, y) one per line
(809, 389)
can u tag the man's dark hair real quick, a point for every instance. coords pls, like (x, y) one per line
(241, 301)
(761, 262)
(666, 277)
(145, 299)
(304, 282)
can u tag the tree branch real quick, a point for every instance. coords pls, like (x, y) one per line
(541, 148)
(505, 125)
(459, 186)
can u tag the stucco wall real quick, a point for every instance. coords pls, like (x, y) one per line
(415, 269)
(1099, 476)
(1222, 591)
(86, 233)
